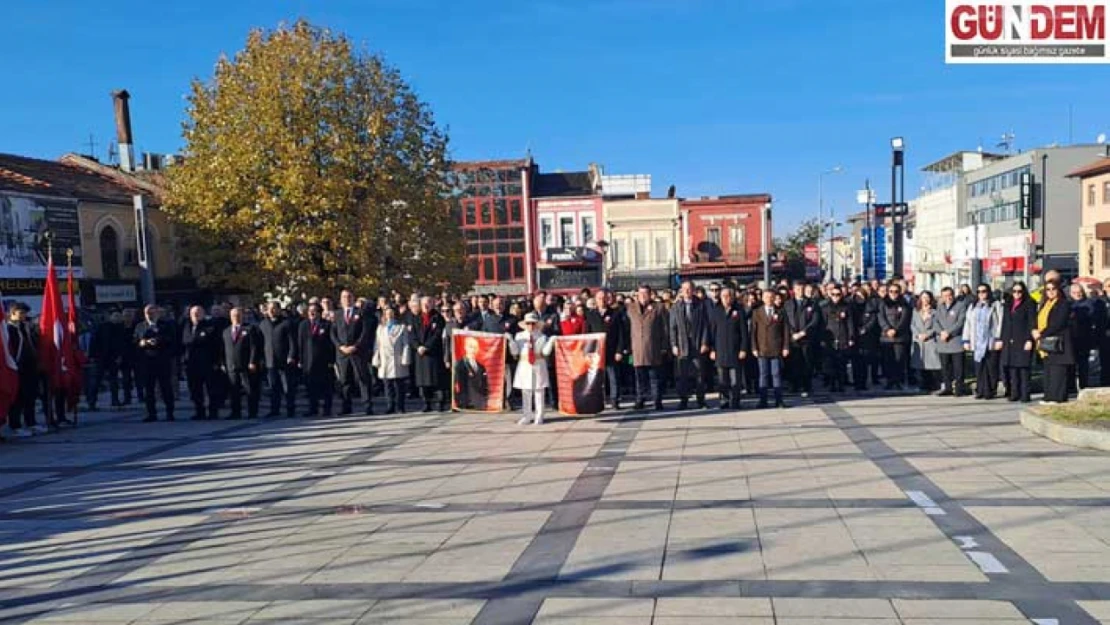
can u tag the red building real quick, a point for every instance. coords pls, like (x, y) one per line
(496, 220)
(721, 236)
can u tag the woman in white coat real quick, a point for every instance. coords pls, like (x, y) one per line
(392, 357)
(531, 348)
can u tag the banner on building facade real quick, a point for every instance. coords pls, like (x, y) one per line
(25, 224)
(477, 371)
(580, 373)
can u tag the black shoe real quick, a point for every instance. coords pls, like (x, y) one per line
(658, 405)
(427, 407)
(150, 419)
(389, 410)
(638, 405)
(310, 415)
(444, 408)
(369, 412)
(944, 393)
(169, 417)
(683, 405)
(780, 405)
(272, 415)
(702, 405)
(762, 404)
(616, 405)
(725, 405)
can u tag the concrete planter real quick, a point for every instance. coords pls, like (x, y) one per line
(1073, 435)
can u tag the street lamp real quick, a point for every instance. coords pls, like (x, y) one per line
(898, 151)
(766, 217)
(821, 208)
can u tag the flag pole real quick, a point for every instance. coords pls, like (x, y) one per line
(51, 418)
(73, 313)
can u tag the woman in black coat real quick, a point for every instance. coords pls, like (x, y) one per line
(1056, 324)
(1019, 318)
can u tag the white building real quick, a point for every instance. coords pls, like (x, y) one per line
(937, 260)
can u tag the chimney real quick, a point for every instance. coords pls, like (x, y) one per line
(123, 130)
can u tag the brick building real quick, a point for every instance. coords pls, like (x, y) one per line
(721, 236)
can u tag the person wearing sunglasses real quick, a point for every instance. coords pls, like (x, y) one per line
(1019, 319)
(1054, 343)
(982, 337)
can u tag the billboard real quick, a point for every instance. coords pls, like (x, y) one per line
(24, 224)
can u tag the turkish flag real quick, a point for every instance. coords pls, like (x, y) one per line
(9, 370)
(73, 359)
(51, 332)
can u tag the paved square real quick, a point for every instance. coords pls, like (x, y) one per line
(901, 510)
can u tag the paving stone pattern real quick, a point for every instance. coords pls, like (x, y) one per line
(877, 510)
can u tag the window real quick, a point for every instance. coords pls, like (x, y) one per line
(713, 237)
(639, 253)
(587, 229)
(1105, 253)
(547, 231)
(109, 253)
(1090, 195)
(500, 212)
(662, 251)
(616, 249)
(518, 267)
(503, 267)
(514, 212)
(487, 270)
(1106, 192)
(566, 231)
(471, 216)
(736, 244)
(487, 217)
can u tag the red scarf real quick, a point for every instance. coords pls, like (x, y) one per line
(426, 318)
(1017, 302)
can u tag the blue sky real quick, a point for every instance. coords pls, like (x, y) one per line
(714, 97)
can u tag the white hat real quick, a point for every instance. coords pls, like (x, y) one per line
(531, 318)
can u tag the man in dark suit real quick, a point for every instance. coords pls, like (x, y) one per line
(317, 360)
(155, 342)
(588, 391)
(730, 347)
(689, 332)
(611, 320)
(806, 325)
(200, 358)
(471, 379)
(279, 337)
(895, 316)
(242, 348)
(353, 339)
(22, 347)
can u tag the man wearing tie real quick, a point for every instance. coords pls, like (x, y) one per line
(155, 343)
(200, 358)
(353, 341)
(242, 363)
(771, 345)
(317, 358)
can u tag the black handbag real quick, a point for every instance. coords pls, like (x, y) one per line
(1052, 344)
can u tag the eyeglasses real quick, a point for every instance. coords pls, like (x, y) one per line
(981, 291)
(1018, 291)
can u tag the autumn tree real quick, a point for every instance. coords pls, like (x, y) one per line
(310, 164)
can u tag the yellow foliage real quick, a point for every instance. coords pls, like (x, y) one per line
(310, 164)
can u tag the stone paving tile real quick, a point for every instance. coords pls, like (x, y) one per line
(689, 607)
(1098, 609)
(619, 544)
(713, 544)
(575, 608)
(1061, 549)
(833, 608)
(423, 609)
(948, 609)
(314, 609)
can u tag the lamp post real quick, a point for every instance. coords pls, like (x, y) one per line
(898, 146)
(821, 207)
(764, 251)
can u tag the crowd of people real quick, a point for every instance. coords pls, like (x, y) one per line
(734, 341)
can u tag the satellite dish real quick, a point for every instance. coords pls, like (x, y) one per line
(1101, 139)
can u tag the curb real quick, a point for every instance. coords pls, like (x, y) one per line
(1065, 434)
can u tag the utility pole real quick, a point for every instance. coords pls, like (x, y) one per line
(146, 269)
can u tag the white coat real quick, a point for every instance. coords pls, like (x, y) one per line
(529, 377)
(392, 352)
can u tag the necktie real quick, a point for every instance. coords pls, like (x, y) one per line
(235, 335)
(531, 351)
(348, 315)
